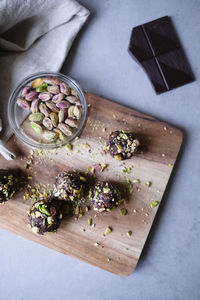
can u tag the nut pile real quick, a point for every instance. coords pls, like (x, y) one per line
(55, 108)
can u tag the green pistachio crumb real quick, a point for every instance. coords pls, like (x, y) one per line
(87, 208)
(69, 146)
(148, 183)
(170, 165)
(123, 211)
(108, 230)
(90, 221)
(129, 233)
(154, 204)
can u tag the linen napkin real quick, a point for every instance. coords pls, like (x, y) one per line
(34, 36)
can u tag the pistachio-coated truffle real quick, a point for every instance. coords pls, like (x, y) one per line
(122, 144)
(70, 186)
(104, 196)
(45, 216)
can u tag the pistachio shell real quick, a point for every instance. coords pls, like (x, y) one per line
(23, 103)
(65, 89)
(44, 109)
(53, 89)
(35, 105)
(62, 115)
(47, 123)
(57, 98)
(54, 118)
(36, 117)
(45, 96)
(71, 122)
(36, 127)
(65, 129)
(37, 82)
(63, 104)
(77, 112)
(50, 135)
(32, 95)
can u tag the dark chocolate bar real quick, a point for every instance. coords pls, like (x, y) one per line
(156, 46)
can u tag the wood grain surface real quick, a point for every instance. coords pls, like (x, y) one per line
(116, 252)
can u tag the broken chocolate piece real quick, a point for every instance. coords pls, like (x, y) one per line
(155, 45)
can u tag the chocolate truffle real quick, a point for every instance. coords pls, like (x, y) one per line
(69, 186)
(8, 185)
(45, 216)
(104, 196)
(122, 144)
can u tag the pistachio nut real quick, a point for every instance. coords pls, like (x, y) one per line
(71, 99)
(52, 80)
(54, 118)
(57, 98)
(77, 112)
(32, 95)
(45, 96)
(63, 104)
(36, 117)
(47, 123)
(37, 82)
(73, 92)
(25, 90)
(71, 111)
(52, 106)
(53, 89)
(23, 103)
(71, 122)
(36, 127)
(65, 129)
(62, 115)
(50, 135)
(59, 133)
(35, 105)
(44, 109)
(65, 89)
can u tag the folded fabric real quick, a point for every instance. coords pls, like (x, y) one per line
(34, 36)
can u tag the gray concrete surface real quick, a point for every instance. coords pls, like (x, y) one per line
(169, 268)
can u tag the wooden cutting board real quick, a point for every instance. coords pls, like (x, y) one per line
(116, 252)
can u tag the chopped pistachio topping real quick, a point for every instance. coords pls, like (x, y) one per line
(129, 233)
(43, 209)
(108, 230)
(123, 211)
(148, 183)
(154, 204)
(90, 221)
